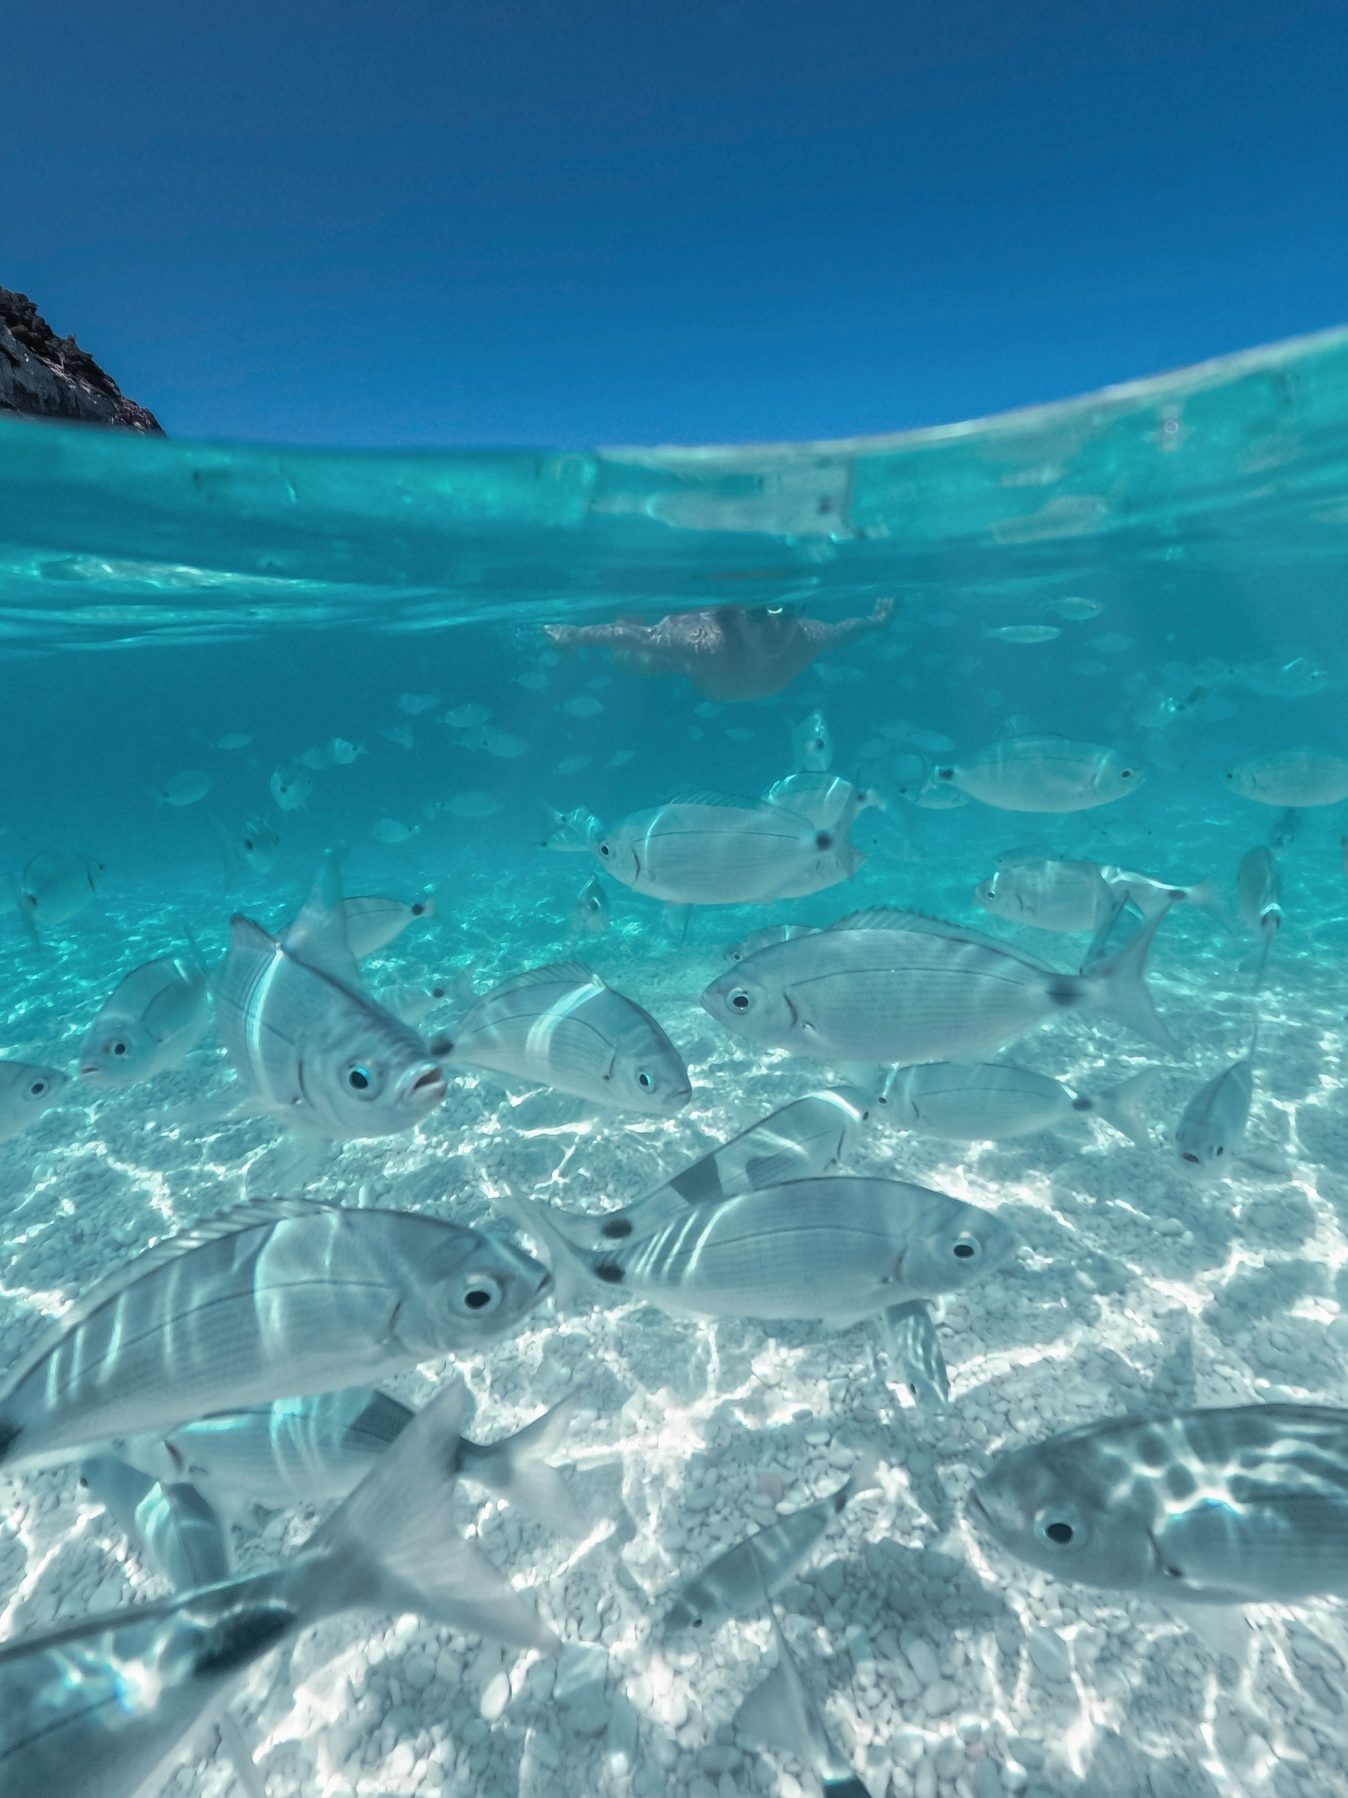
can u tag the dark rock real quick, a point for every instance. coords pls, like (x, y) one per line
(46, 376)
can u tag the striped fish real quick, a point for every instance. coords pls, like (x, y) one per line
(305, 1038)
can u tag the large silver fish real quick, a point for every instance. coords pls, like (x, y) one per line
(838, 1247)
(1063, 896)
(894, 986)
(734, 1584)
(707, 849)
(1246, 1504)
(1214, 1120)
(991, 1101)
(808, 1136)
(99, 1708)
(26, 1091)
(306, 1451)
(306, 1040)
(1044, 774)
(277, 1296)
(563, 1027)
(152, 1019)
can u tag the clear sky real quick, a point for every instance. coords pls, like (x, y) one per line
(574, 221)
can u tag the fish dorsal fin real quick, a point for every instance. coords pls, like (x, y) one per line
(554, 973)
(247, 1216)
(244, 933)
(706, 796)
(882, 917)
(318, 935)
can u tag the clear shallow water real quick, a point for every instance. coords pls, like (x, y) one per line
(294, 597)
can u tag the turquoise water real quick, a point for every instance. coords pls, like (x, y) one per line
(1157, 570)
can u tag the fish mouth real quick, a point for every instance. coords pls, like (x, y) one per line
(429, 1087)
(90, 1072)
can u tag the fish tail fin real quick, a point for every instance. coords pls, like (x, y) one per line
(517, 1470)
(1207, 896)
(863, 1478)
(1118, 986)
(1269, 926)
(573, 1283)
(395, 1544)
(1122, 1106)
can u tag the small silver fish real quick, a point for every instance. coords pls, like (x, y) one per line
(1246, 1504)
(392, 831)
(411, 1004)
(1044, 774)
(97, 1710)
(372, 923)
(183, 789)
(26, 1091)
(995, 1100)
(590, 915)
(413, 704)
(898, 987)
(1214, 1120)
(151, 1021)
(310, 1450)
(1065, 896)
(1076, 608)
(1259, 901)
(252, 849)
(914, 1349)
(573, 832)
(306, 1040)
(733, 1585)
(276, 1296)
(780, 1252)
(1023, 633)
(706, 849)
(1297, 777)
(826, 800)
(564, 1027)
(812, 744)
(55, 887)
(234, 739)
(808, 1136)
(290, 787)
(341, 753)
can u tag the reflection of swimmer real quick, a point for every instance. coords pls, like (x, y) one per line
(728, 652)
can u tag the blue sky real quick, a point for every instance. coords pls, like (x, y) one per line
(415, 223)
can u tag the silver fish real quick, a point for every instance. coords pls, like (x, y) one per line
(706, 849)
(914, 1349)
(573, 832)
(307, 1451)
(564, 1027)
(1214, 1120)
(1259, 901)
(98, 1709)
(994, 1100)
(590, 915)
(276, 1296)
(1297, 777)
(372, 923)
(894, 986)
(290, 787)
(306, 1040)
(26, 1091)
(733, 1585)
(1150, 895)
(825, 800)
(153, 1018)
(812, 1135)
(1044, 774)
(1246, 1504)
(1054, 895)
(183, 789)
(252, 849)
(812, 744)
(411, 1004)
(837, 1247)
(781, 1714)
(55, 887)
(182, 1538)
(761, 939)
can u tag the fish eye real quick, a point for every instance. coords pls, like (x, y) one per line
(417, 909)
(644, 1080)
(248, 842)
(1188, 1155)
(36, 1090)
(119, 1048)
(1059, 1532)
(481, 1294)
(1125, 774)
(965, 1250)
(697, 1623)
(359, 1078)
(605, 851)
(739, 999)
(1220, 1149)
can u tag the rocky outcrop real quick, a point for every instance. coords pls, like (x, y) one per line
(46, 376)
